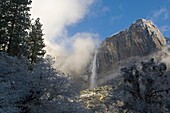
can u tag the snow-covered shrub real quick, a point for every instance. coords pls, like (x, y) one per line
(39, 89)
(146, 87)
(14, 83)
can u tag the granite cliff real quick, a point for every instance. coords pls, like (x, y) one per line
(142, 38)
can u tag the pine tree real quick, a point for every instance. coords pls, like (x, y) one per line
(3, 24)
(36, 42)
(15, 22)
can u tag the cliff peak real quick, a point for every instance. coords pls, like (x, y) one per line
(142, 38)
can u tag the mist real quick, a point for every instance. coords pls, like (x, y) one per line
(160, 56)
(72, 53)
(166, 58)
(73, 57)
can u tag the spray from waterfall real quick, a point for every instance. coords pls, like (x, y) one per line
(93, 72)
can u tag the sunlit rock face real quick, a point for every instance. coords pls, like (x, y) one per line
(140, 39)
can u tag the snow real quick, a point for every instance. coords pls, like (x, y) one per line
(88, 95)
(23, 90)
(117, 32)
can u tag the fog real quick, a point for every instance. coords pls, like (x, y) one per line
(74, 56)
(166, 58)
(72, 53)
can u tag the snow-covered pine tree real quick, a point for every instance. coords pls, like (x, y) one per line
(3, 25)
(35, 42)
(15, 21)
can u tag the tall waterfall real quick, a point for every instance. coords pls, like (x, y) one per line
(93, 72)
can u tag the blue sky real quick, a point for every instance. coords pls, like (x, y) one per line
(106, 17)
(72, 27)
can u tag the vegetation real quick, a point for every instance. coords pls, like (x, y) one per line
(146, 88)
(28, 82)
(35, 42)
(142, 88)
(17, 33)
(41, 90)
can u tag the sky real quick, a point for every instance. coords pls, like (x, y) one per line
(107, 17)
(63, 18)
(73, 28)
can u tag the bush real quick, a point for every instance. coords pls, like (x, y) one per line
(146, 87)
(39, 89)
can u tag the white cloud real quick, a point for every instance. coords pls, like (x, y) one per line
(162, 12)
(115, 18)
(105, 9)
(164, 28)
(167, 58)
(75, 59)
(158, 16)
(57, 14)
(73, 53)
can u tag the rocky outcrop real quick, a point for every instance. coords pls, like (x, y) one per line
(103, 99)
(140, 39)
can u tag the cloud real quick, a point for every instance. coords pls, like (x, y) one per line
(166, 59)
(56, 15)
(164, 28)
(159, 17)
(105, 9)
(72, 53)
(160, 13)
(113, 19)
(81, 46)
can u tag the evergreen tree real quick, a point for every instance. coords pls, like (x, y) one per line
(3, 24)
(36, 42)
(15, 22)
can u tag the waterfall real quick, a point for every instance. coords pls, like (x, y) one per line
(93, 72)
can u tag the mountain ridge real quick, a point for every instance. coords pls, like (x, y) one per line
(142, 38)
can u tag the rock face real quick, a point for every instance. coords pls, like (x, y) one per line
(103, 99)
(140, 39)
